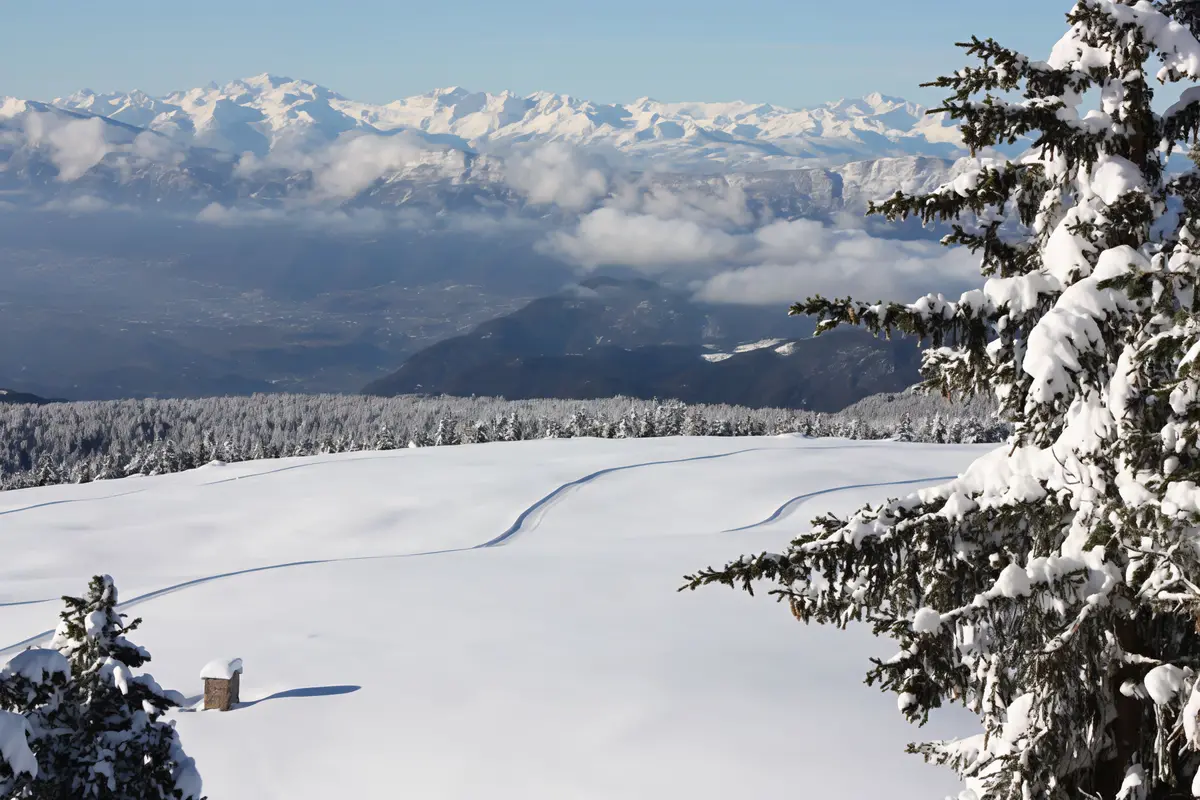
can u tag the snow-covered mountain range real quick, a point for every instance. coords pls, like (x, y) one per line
(271, 143)
(266, 112)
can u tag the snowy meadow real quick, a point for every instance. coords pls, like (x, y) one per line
(496, 620)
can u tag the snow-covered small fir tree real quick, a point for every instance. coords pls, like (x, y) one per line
(385, 440)
(580, 425)
(669, 418)
(109, 740)
(643, 424)
(693, 425)
(938, 431)
(33, 685)
(479, 433)
(511, 428)
(47, 473)
(1054, 588)
(446, 433)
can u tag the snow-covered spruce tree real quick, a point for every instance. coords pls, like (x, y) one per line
(1054, 588)
(446, 433)
(385, 440)
(112, 743)
(693, 424)
(580, 424)
(32, 688)
(479, 433)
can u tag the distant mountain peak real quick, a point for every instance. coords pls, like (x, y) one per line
(876, 99)
(267, 79)
(452, 134)
(258, 113)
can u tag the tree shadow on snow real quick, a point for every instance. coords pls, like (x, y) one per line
(308, 691)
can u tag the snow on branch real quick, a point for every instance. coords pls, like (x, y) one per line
(1052, 588)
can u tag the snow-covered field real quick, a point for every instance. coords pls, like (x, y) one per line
(491, 621)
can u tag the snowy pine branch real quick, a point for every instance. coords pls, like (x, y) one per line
(1053, 588)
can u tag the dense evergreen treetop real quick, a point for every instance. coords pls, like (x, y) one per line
(1054, 588)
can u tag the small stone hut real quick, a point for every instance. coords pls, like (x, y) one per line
(222, 683)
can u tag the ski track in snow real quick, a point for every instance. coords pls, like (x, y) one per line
(210, 483)
(527, 520)
(791, 505)
(297, 466)
(532, 517)
(65, 502)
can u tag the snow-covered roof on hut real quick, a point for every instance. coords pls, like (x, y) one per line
(222, 669)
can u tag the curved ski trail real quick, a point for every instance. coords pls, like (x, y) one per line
(791, 505)
(528, 519)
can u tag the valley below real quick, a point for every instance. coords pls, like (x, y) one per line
(271, 235)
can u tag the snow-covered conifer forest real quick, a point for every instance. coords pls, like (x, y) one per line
(81, 442)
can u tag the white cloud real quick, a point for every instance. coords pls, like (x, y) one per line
(795, 260)
(697, 229)
(555, 174)
(157, 148)
(79, 204)
(653, 228)
(217, 214)
(248, 164)
(75, 145)
(329, 221)
(715, 204)
(613, 236)
(709, 236)
(787, 240)
(352, 163)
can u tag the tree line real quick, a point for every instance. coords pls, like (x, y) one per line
(86, 441)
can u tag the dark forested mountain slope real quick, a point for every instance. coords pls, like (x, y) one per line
(636, 338)
(13, 397)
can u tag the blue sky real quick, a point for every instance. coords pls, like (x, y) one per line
(788, 52)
